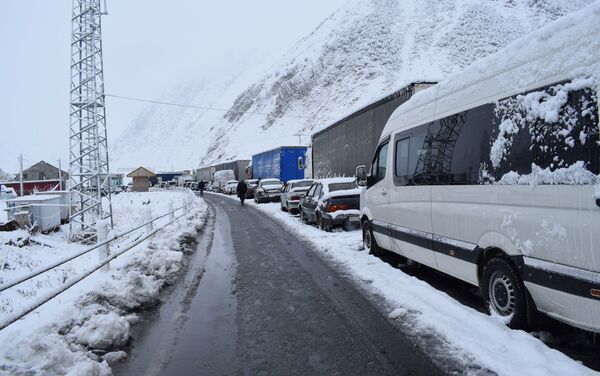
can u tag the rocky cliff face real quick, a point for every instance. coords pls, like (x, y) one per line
(362, 52)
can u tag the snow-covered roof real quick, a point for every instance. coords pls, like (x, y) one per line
(336, 180)
(298, 180)
(565, 49)
(31, 198)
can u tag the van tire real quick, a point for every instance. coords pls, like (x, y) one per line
(369, 242)
(504, 293)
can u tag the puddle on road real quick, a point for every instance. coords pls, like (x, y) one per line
(194, 328)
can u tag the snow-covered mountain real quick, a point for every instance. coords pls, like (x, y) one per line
(362, 52)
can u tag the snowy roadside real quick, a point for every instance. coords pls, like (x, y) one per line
(474, 335)
(82, 330)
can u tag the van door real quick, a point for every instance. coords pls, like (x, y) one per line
(377, 196)
(410, 203)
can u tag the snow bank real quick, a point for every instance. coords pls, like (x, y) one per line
(85, 328)
(468, 333)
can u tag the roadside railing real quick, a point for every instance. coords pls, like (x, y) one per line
(105, 259)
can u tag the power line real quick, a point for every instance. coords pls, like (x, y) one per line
(206, 108)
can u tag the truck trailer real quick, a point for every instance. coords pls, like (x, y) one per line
(238, 167)
(283, 163)
(338, 149)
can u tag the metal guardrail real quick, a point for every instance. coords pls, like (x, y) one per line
(50, 295)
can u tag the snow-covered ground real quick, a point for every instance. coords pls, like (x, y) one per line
(82, 330)
(473, 334)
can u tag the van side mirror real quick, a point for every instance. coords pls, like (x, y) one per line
(361, 175)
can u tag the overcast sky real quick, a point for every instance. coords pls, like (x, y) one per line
(149, 46)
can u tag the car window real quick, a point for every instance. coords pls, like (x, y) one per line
(341, 186)
(302, 184)
(318, 190)
(311, 191)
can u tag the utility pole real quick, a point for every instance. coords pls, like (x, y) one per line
(60, 187)
(300, 135)
(88, 148)
(21, 175)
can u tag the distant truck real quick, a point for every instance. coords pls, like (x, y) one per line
(238, 167)
(283, 163)
(220, 179)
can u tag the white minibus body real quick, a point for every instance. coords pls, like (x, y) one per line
(492, 176)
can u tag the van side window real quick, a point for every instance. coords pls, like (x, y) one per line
(382, 161)
(401, 165)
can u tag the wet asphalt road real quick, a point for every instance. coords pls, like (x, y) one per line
(256, 301)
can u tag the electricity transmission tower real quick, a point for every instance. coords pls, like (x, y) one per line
(88, 168)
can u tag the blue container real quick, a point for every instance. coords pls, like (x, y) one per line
(284, 163)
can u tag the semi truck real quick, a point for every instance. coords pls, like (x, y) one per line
(349, 142)
(283, 163)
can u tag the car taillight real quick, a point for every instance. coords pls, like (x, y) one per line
(295, 197)
(332, 208)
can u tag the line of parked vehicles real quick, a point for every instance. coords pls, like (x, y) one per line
(327, 203)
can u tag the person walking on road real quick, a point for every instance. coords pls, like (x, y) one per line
(242, 188)
(201, 186)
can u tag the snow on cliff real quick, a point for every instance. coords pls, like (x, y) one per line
(362, 52)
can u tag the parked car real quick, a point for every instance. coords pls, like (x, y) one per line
(332, 202)
(268, 190)
(231, 187)
(251, 184)
(292, 193)
(492, 177)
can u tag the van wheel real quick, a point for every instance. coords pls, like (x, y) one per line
(369, 242)
(504, 293)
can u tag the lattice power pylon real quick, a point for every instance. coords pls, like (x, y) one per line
(88, 168)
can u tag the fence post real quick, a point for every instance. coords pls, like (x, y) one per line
(148, 219)
(171, 213)
(103, 250)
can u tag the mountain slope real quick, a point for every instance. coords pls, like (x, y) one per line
(362, 52)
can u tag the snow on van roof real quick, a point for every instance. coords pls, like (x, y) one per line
(565, 49)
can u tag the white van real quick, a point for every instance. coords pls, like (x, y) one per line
(492, 177)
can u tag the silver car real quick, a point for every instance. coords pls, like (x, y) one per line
(292, 193)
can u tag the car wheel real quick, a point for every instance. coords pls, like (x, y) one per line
(369, 243)
(302, 215)
(323, 225)
(504, 293)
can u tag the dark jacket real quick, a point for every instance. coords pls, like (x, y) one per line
(242, 188)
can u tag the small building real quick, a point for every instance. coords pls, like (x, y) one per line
(40, 177)
(141, 179)
(43, 171)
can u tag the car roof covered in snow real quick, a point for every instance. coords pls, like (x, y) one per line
(564, 49)
(298, 180)
(335, 180)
